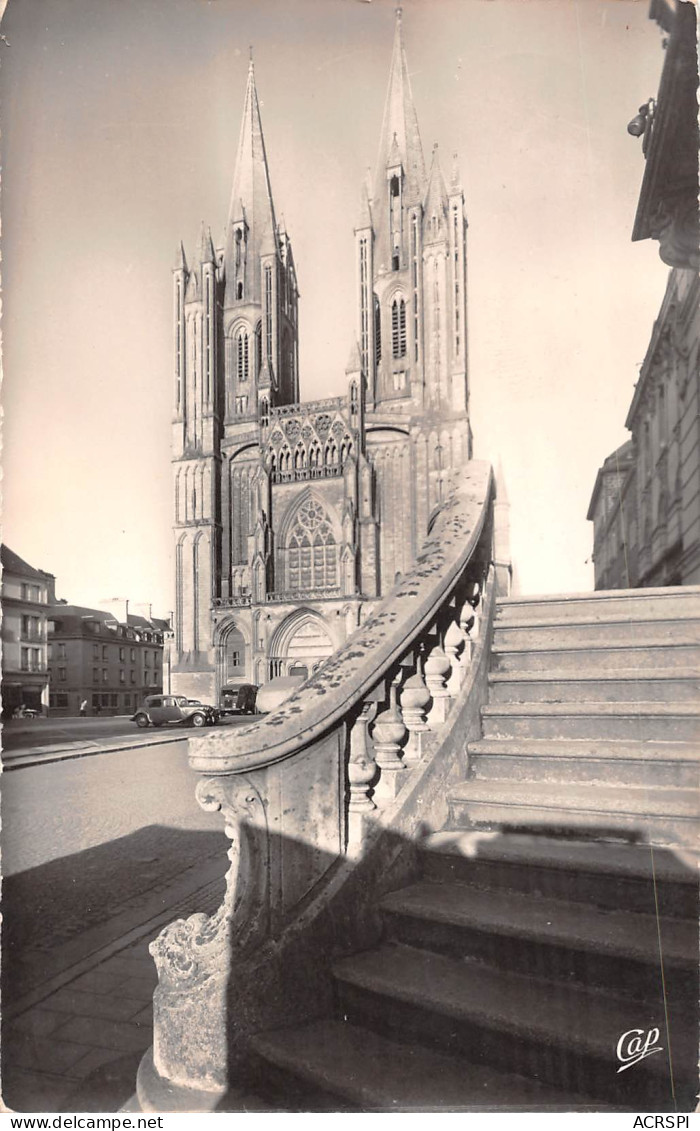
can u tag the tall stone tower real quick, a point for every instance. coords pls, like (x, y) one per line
(412, 324)
(292, 518)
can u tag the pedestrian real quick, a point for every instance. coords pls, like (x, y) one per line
(83, 709)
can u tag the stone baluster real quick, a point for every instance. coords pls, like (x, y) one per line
(388, 732)
(469, 622)
(362, 770)
(415, 698)
(437, 669)
(455, 646)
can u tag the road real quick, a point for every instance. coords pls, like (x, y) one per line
(24, 735)
(52, 811)
(91, 839)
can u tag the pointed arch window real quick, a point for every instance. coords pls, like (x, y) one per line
(398, 328)
(242, 356)
(312, 555)
(377, 330)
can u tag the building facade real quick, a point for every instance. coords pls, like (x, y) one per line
(95, 658)
(25, 596)
(291, 518)
(645, 506)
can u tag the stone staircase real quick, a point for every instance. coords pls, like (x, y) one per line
(558, 909)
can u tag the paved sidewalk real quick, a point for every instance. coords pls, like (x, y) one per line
(74, 1041)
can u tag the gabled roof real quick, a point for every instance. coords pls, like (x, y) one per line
(12, 563)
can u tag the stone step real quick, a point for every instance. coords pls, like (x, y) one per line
(664, 816)
(369, 1072)
(670, 722)
(651, 765)
(665, 603)
(613, 633)
(635, 877)
(552, 938)
(622, 685)
(561, 1034)
(591, 658)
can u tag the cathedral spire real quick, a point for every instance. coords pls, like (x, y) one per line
(205, 250)
(400, 137)
(436, 197)
(251, 205)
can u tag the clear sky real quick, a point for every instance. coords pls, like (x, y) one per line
(120, 126)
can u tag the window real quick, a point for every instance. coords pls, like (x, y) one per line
(122, 676)
(132, 677)
(62, 675)
(31, 628)
(32, 593)
(242, 356)
(122, 654)
(105, 675)
(95, 675)
(95, 651)
(105, 651)
(241, 404)
(398, 328)
(312, 558)
(114, 700)
(268, 314)
(235, 658)
(49, 651)
(25, 659)
(132, 657)
(146, 658)
(61, 651)
(377, 330)
(127, 701)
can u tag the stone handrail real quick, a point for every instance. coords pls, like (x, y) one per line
(322, 800)
(357, 667)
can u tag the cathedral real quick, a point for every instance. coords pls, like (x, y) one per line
(293, 517)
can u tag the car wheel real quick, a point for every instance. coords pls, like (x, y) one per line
(142, 720)
(198, 720)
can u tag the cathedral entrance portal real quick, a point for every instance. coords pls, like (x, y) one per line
(300, 645)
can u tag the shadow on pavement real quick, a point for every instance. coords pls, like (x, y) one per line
(47, 906)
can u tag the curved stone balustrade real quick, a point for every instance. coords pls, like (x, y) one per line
(321, 799)
(354, 670)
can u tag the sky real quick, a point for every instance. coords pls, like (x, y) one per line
(120, 124)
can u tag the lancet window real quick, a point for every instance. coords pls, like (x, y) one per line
(398, 328)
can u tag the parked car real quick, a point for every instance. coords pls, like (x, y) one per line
(198, 703)
(238, 699)
(276, 691)
(159, 710)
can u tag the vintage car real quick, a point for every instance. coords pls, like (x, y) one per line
(238, 699)
(159, 710)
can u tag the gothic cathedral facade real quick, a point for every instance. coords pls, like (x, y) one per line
(292, 518)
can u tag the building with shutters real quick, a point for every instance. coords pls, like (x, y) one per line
(292, 517)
